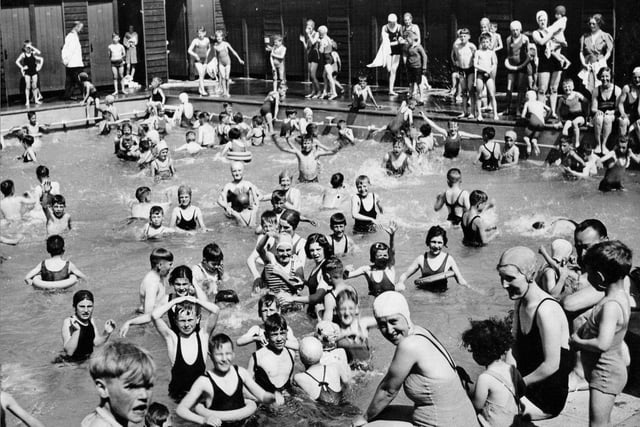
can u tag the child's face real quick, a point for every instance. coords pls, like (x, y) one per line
(229, 110)
(605, 77)
(268, 226)
(307, 143)
(58, 209)
(116, 38)
(163, 267)
(84, 310)
(277, 339)
(277, 43)
(453, 128)
(362, 83)
(338, 229)
(316, 252)
(309, 115)
(436, 244)
(485, 26)
(285, 182)
(191, 137)
(267, 310)
(126, 130)
(222, 357)
(397, 147)
(565, 147)
(201, 34)
(181, 286)
(162, 155)
(184, 199)
(464, 37)
(362, 187)
(347, 312)
(485, 43)
(382, 257)
(493, 28)
(219, 38)
(128, 401)
(567, 87)
(156, 219)
(33, 120)
(187, 321)
(508, 142)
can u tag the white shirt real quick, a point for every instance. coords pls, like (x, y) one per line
(72, 51)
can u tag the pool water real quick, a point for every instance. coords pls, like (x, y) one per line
(102, 244)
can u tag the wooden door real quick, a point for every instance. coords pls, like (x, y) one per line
(177, 37)
(49, 38)
(15, 30)
(100, 23)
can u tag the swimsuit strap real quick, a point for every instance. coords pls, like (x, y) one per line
(323, 384)
(535, 314)
(438, 345)
(505, 383)
(624, 312)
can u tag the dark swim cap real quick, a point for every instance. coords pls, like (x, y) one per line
(81, 296)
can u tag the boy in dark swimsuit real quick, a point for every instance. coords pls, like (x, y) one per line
(221, 389)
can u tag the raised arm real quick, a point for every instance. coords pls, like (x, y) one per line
(433, 124)
(8, 403)
(289, 149)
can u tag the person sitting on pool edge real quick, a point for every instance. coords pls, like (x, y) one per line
(207, 402)
(239, 198)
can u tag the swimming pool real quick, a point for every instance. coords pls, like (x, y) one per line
(97, 185)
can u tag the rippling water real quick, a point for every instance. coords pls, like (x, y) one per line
(97, 185)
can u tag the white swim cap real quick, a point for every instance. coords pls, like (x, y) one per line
(561, 249)
(162, 145)
(154, 136)
(327, 332)
(310, 350)
(541, 13)
(392, 17)
(511, 134)
(323, 29)
(183, 97)
(284, 241)
(515, 25)
(109, 99)
(390, 303)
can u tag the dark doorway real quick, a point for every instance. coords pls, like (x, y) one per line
(129, 14)
(176, 12)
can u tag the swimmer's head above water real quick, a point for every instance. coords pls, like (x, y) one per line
(517, 267)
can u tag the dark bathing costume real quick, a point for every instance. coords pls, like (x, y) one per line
(376, 288)
(54, 276)
(471, 237)
(222, 401)
(184, 375)
(186, 224)
(439, 285)
(85, 343)
(549, 394)
(360, 226)
(492, 163)
(262, 378)
(453, 217)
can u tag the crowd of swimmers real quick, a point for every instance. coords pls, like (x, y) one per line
(571, 311)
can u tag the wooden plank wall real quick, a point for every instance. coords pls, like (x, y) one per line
(76, 10)
(155, 39)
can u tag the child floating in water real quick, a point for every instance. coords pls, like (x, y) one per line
(239, 198)
(307, 155)
(381, 274)
(267, 305)
(222, 407)
(345, 135)
(110, 116)
(435, 265)
(209, 273)
(335, 196)
(55, 272)
(365, 207)
(257, 133)
(499, 388)
(454, 198)
(322, 383)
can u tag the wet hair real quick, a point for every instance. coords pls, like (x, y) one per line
(257, 120)
(337, 218)
(611, 258)
(362, 178)
(238, 118)
(157, 415)
(267, 300)
(477, 196)
(217, 341)
(560, 10)
(603, 70)
(127, 361)
(31, 114)
(425, 129)
(320, 239)
(595, 224)
(156, 209)
(181, 272)
(269, 217)
(141, 192)
(454, 175)
(379, 246)
(278, 196)
(187, 308)
(58, 199)
(312, 129)
(485, 36)
(337, 179)
(347, 294)
(80, 296)
(333, 265)
(213, 253)
(488, 132)
(7, 187)
(190, 132)
(184, 189)
(160, 254)
(42, 172)
(275, 323)
(291, 216)
(234, 133)
(435, 231)
(83, 77)
(488, 339)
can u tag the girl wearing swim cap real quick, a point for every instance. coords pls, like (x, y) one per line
(541, 348)
(423, 366)
(79, 331)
